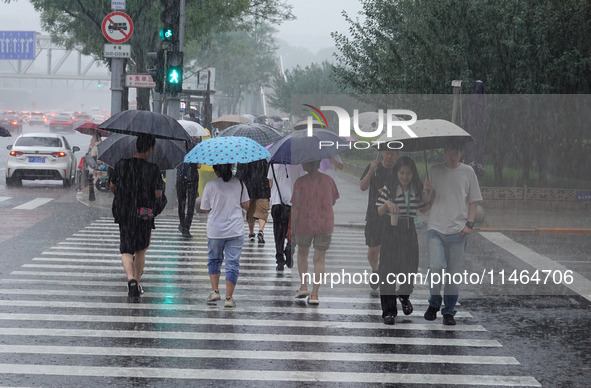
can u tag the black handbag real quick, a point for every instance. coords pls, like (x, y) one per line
(285, 209)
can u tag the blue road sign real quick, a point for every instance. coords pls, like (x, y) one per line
(17, 45)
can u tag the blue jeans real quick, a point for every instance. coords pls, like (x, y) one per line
(231, 248)
(445, 251)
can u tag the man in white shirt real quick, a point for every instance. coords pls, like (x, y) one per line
(453, 190)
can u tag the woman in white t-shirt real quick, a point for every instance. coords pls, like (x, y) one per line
(224, 198)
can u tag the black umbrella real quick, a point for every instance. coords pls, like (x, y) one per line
(262, 134)
(4, 132)
(167, 154)
(136, 122)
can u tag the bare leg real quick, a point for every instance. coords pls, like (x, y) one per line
(303, 265)
(138, 264)
(262, 224)
(229, 288)
(127, 260)
(373, 256)
(251, 227)
(215, 281)
(319, 261)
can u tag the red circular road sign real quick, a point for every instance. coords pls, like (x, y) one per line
(117, 27)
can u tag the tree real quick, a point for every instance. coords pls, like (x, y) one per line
(312, 79)
(514, 46)
(78, 23)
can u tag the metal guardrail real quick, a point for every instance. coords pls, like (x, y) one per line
(507, 193)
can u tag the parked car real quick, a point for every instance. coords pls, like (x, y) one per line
(37, 118)
(61, 122)
(11, 121)
(44, 156)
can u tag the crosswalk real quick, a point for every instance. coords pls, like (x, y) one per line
(20, 203)
(65, 320)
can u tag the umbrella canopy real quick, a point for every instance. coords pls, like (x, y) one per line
(224, 150)
(91, 129)
(167, 154)
(193, 128)
(226, 121)
(298, 147)
(4, 132)
(304, 124)
(431, 134)
(262, 134)
(136, 122)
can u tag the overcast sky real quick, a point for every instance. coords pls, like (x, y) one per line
(316, 19)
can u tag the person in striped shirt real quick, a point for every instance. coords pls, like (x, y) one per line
(399, 252)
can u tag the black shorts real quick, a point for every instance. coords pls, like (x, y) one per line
(373, 233)
(134, 237)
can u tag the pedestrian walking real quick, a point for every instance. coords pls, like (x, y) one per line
(374, 177)
(398, 203)
(224, 198)
(187, 191)
(453, 189)
(282, 177)
(254, 176)
(138, 188)
(314, 195)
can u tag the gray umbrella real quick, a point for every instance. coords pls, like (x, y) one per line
(167, 154)
(136, 122)
(262, 134)
(431, 134)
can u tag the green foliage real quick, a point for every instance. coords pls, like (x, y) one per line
(513, 46)
(312, 79)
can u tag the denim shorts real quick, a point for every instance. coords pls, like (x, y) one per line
(228, 248)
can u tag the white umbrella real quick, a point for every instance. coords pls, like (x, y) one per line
(193, 129)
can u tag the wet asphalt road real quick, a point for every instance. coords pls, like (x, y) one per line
(65, 319)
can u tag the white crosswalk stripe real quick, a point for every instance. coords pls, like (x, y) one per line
(69, 305)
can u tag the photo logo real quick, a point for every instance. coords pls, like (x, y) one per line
(315, 113)
(392, 120)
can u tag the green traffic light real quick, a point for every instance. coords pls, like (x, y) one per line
(166, 33)
(174, 76)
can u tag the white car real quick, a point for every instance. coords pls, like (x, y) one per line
(45, 156)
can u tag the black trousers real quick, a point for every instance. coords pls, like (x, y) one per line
(186, 193)
(280, 225)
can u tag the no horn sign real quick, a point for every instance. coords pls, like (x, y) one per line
(117, 27)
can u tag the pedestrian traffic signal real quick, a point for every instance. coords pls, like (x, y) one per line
(174, 72)
(170, 17)
(157, 72)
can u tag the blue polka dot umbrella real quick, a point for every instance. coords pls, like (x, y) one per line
(224, 150)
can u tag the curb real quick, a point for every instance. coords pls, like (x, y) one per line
(582, 231)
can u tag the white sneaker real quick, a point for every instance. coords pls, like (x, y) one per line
(229, 302)
(213, 296)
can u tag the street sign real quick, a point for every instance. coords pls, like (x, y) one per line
(117, 5)
(117, 51)
(139, 80)
(17, 45)
(205, 75)
(117, 27)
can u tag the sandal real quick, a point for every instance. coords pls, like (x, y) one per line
(314, 302)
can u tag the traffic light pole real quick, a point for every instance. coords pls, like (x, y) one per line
(116, 84)
(174, 101)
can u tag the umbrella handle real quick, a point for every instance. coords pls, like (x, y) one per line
(426, 166)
